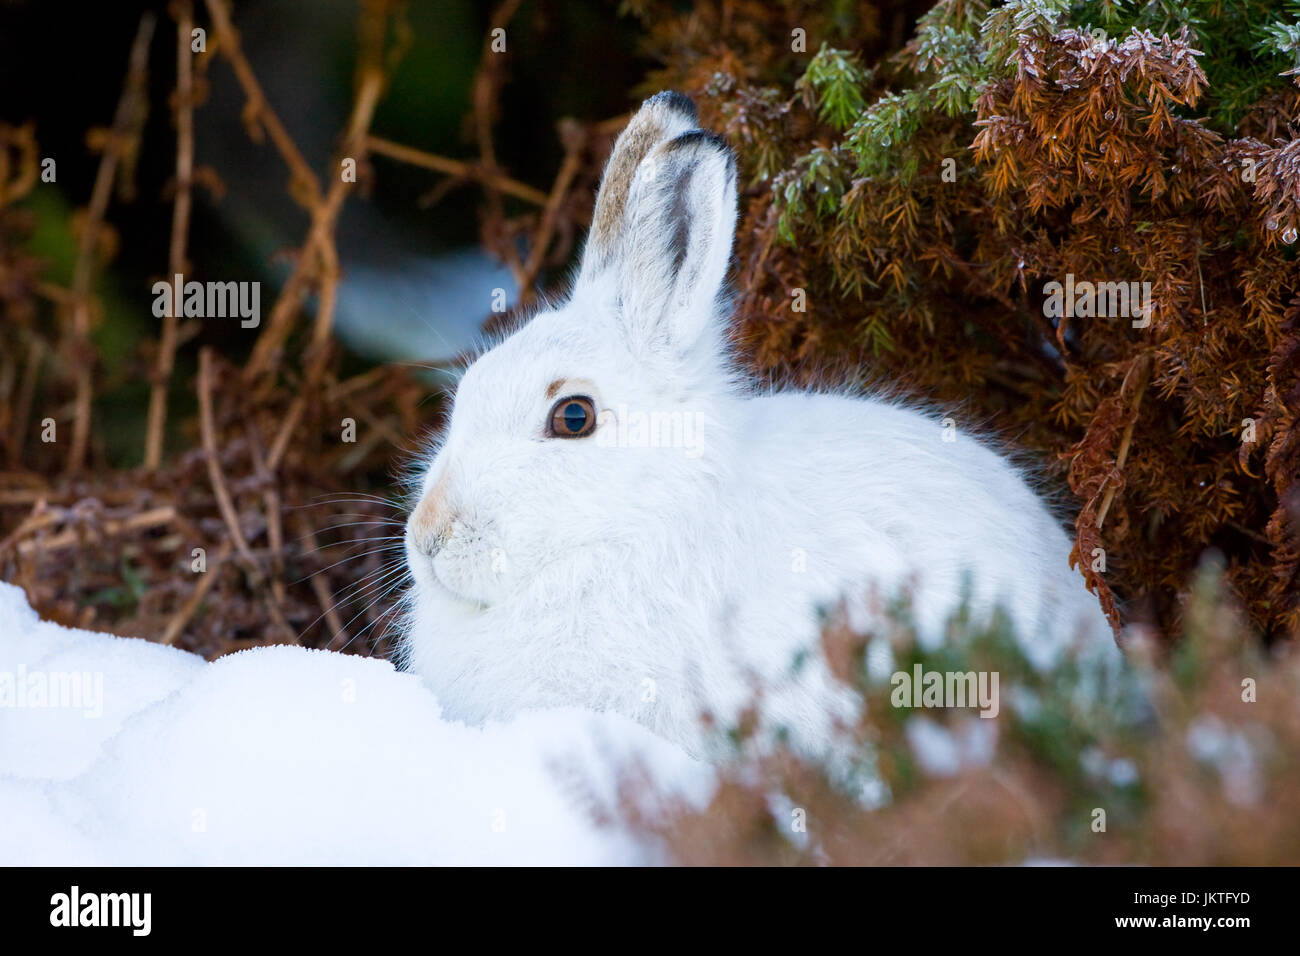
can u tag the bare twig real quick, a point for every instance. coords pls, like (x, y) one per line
(225, 504)
(487, 85)
(574, 142)
(208, 429)
(487, 88)
(153, 518)
(314, 259)
(23, 139)
(26, 396)
(182, 617)
(303, 184)
(328, 606)
(1142, 368)
(127, 122)
(157, 420)
(457, 168)
(274, 519)
(281, 443)
(41, 516)
(46, 290)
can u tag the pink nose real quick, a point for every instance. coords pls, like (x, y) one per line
(431, 520)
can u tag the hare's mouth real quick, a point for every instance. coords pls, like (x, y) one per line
(447, 590)
(443, 577)
(427, 576)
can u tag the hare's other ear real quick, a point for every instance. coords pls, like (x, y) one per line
(660, 118)
(681, 223)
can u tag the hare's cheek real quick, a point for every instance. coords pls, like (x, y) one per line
(468, 563)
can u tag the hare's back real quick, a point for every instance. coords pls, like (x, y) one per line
(907, 496)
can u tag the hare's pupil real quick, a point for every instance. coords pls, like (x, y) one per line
(575, 417)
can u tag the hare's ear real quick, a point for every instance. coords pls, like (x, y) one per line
(676, 246)
(660, 118)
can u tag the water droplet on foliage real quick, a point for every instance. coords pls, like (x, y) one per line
(1110, 114)
(886, 141)
(1271, 225)
(1289, 236)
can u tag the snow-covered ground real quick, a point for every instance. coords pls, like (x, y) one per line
(117, 751)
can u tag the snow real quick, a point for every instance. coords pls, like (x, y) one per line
(284, 755)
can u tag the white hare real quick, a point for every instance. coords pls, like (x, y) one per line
(615, 520)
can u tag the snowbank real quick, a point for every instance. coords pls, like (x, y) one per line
(117, 751)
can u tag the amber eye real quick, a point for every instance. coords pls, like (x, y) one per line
(573, 417)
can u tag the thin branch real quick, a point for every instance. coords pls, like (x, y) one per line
(313, 255)
(225, 504)
(487, 88)
(157, 421)
(208, 431)
(1143, 368)
(274, 517)
(26, 396)
(177, 624)
(574, 142)
(328, 606)
(127, 122)
(71, 537)
(457, 168)
(258, 111)
(23, 139)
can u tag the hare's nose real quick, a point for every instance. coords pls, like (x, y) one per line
(431, 522)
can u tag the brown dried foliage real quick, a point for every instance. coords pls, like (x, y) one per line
(298, 528)
(226, 543)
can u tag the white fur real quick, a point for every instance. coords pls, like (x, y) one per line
(663, 581)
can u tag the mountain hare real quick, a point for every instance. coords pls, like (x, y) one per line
(615, 520)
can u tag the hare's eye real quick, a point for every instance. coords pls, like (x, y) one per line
(573, 417)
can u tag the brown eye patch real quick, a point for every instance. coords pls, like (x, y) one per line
(572, 417)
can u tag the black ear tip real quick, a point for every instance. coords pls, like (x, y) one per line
(703, 139)
(677, 102)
